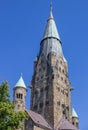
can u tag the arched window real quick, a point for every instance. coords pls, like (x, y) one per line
(20, 96)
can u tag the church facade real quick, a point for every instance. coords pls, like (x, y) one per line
(50, 105)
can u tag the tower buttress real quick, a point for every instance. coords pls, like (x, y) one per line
(19, 95)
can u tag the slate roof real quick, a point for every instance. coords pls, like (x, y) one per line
(64, 124)
(38, 119)
(51, 40)
(51, 29)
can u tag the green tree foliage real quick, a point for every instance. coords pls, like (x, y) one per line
(9, 119)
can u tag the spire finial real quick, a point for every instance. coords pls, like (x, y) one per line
(51, 6)
(51, 15)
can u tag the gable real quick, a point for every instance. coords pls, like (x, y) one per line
(38, 119)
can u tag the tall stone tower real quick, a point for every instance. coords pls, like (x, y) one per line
(50, 89)
(20, 95)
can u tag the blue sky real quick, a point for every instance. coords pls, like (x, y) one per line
(22, 24)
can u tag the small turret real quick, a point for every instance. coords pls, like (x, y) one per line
(19, 95)
(74, 118)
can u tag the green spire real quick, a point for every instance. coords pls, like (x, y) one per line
(74, 114)
(51, 29)
(20, 83)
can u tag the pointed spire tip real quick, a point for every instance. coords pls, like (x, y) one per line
(51, 7)
(51, 15)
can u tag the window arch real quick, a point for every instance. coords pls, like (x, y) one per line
(19, 95)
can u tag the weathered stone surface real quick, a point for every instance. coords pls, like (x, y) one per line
(51, 89)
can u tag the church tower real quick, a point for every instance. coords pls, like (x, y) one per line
(19, 95)
(50, 88)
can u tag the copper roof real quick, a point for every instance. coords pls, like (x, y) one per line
(64, 124)
(38, 119)
(20, 83)
(74, 114)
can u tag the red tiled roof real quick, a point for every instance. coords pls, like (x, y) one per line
(64, 124)
(38, 119)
